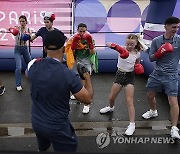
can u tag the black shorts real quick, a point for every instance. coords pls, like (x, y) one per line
(124, 78)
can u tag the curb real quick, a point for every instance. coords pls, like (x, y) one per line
(91, 128)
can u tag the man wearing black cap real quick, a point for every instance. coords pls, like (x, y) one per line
(49, 18)
(51, 84)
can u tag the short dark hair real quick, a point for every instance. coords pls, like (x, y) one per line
(54, 40)
(24, 17)
(82, 25)
(172, 20)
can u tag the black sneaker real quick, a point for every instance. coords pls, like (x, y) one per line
(2, 90)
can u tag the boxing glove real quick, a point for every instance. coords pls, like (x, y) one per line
(165, 48)
(13, 31)
(25, 37)
(88, 37)
(75, 40)
(81, 70)
(138, 69)
(123, 52)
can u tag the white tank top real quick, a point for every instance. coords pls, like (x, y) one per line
(127, 65)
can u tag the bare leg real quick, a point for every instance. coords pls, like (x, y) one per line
(151, 99)
(86, 107)
(174, 109)
(116, 88)
(129, 90)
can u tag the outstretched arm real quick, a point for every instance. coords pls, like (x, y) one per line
(33, 37)
(122, 51)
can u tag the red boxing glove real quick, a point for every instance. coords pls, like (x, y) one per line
(14, 31)
(75, 40)
(165, 48)
(138, 69)
(88, 37)
(123, 52)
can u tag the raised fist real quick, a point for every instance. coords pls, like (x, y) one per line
(88, 37)
(123, 52)
(25, 37)
(13, 31)
(75, 40)
(165, 48)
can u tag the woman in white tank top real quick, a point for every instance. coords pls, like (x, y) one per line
(128, 63)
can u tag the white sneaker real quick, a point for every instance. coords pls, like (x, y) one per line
(2, 90)
(150, 114)
(130, 130)
(19, 88)
(174, 132)
(86, 109)
(72, 97)
(107, 109)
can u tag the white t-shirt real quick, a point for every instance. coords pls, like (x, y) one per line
(127, 65)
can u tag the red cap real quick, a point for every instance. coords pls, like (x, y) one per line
(49, 16)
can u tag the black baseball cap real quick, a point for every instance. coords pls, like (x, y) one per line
(54, 40)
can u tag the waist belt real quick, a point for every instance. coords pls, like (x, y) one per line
(125, 73)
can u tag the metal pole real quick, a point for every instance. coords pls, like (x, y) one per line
(73, 16)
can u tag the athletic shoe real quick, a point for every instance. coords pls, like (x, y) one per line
(150, 114)
(86, 109)
(72, 97)
(174, 132)
(19, 88)
(107, 109)
(2, 90)
(130, 130)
